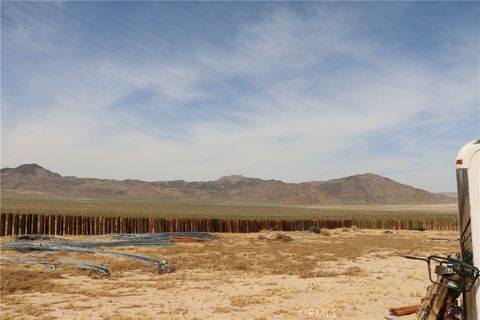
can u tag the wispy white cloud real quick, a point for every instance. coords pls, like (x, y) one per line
(292, 96)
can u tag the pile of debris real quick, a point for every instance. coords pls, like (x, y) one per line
(42, 243)
(274, 236)
(122, 240)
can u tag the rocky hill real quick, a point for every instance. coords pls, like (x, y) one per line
(359, 189)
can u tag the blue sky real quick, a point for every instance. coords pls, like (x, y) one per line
(276, 90)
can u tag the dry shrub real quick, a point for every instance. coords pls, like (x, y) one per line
(275, 236)
(243, 301)
(353, 271)
(16, 279)
(241, 265)
(325, 232)
(318, 274)
(222, 310)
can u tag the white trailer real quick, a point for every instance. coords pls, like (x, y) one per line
(468, 188)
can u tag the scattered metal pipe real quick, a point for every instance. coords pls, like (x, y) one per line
(54, 265)
(142, 239)
(162, 236)
(36, 242)
(162, 265)
(86, 266)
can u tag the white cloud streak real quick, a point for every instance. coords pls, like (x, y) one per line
(316, 95)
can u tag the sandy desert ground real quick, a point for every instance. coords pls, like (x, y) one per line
(339, 274)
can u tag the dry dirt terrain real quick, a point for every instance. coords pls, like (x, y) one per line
(338, 274)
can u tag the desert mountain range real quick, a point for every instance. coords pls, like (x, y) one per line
(358, 189)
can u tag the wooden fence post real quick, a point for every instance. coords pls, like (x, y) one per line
(3, 224)
(16, 226)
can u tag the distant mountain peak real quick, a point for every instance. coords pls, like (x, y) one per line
(31, 169)
(233, 178)
(365, 175)
(369, 174)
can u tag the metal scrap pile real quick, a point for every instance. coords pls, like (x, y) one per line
(41, 243)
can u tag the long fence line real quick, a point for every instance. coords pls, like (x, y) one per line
(17, 224)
